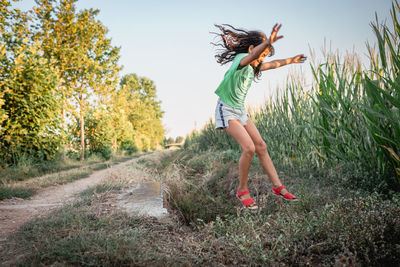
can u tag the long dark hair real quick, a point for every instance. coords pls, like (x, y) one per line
(235, 41)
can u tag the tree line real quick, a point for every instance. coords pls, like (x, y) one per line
(61, 90)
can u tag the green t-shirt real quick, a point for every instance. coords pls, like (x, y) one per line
(233, 88)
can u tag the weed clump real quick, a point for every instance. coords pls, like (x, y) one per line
(13, 191)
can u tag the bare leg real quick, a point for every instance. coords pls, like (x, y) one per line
(238, 132)
(263, 156)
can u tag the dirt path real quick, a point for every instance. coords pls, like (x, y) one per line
(16, 212)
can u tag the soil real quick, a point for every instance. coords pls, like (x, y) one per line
(16, 212)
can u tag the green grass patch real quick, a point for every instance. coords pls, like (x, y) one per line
(364, 231)
(125, 158)
(100, 166)
(59, 179)
(74, 177)
(28, 190)
(101, 188)
(24, 172)
(79, 236)
(20, 192)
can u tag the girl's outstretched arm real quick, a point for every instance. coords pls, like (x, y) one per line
(264, 47)
(282, 62)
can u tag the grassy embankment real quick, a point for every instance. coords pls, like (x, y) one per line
(330, 223)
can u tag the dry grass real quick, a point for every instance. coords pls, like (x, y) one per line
(329, 226)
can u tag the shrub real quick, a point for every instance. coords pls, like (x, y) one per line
(129, 147)
(10, 192)
(104, 151)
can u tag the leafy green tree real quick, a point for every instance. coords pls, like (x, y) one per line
(170, 140)
(121, 104)
(57, 32)
(98, 73)
(145, 112)
(5, 14)
(86, 62)
(29, 122)
(179, 139)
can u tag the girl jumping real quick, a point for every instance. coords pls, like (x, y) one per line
(247, 51)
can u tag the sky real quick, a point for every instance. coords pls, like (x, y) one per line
(169, 43)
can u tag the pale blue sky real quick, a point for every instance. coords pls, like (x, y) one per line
(169, 42)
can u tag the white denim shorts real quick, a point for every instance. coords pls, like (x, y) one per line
(224, 113)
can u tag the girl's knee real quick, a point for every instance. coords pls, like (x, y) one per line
(261, 147)
(249, 149)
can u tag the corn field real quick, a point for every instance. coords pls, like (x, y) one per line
(349, 119)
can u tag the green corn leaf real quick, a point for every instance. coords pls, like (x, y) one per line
(394, 18)
(381, 45)
(372, 90)
(380, 138)
(394, 56)
(395, 85)
(392, 153)
(373, 115)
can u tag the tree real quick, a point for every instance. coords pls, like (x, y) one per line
(179, 139)
(86, 61)
(5, 14)
(29, 123)
(145, 112)
(121, 104)
(57, 32)
(170, 140)
(98, 72)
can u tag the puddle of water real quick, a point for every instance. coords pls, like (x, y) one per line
(144, 200)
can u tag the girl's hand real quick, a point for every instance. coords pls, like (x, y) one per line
(274, 33)
(298, 59)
